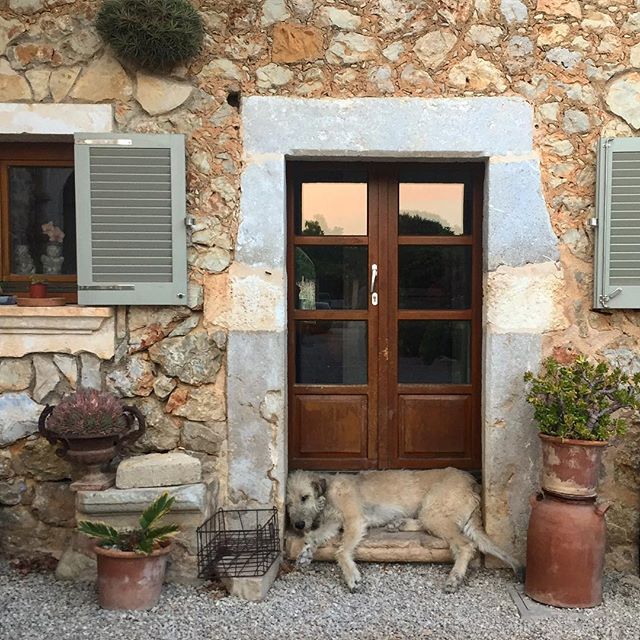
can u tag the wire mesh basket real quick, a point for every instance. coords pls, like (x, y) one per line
(238, 543)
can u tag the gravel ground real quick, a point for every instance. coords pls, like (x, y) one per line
(396, 601)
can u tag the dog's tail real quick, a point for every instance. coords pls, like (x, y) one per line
(474, 532)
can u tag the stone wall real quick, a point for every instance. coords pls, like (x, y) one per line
(575, 62)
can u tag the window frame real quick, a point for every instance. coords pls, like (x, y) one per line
(30, 154)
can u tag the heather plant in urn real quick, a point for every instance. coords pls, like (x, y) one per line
(90, 426)
(578, 407)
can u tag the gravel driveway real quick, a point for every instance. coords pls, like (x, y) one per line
(397, 601)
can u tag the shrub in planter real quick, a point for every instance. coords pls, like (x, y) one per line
(154, 35)
(132, 562)
(576, 409)
(90, 426)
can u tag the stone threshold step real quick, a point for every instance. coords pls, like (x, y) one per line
(380, 545)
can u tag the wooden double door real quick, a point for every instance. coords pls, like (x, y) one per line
(385, 313)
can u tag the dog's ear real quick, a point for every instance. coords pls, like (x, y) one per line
(320, 487)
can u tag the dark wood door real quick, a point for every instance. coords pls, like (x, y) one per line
(385, 300)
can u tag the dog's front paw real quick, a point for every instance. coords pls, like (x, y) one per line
(354, 580)
(452, 584)
(305, 557)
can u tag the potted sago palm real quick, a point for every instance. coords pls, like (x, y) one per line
(578, 408)
(91, 426)
(132, 562)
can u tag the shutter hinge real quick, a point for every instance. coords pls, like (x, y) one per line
(190, 222)
(124, 142)
(107, 287)
(604, 299)
(593, 222)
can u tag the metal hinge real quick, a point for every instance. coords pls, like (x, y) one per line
(593, 222)
(190, 222)
(604, 299)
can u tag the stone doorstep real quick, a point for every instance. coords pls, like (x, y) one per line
(381, 545)
(253, 589)
(198, 498)
(158, 470)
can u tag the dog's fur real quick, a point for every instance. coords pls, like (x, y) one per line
(446, 502)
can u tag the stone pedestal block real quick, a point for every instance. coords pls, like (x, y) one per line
(158, 470)
(254, 589)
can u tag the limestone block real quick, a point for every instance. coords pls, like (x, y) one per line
(61, 82)
(349, 48)
(18, 417)
(158, 470)
(39, 460)
(526, 299)
(273, 75)
(432, 48)
(199, 403)
(560, 7)
(47, 377)
(294, 43)
(485, 35)
(519, 228)
(223, 68)
(193, 359)
(15, 374)
(6, 469)
(76, 566)
(464, 126)
(54, 503)
(9, 30)
(103, 79)
(162, 432)
(189, 499)
(513, 10)
(39, 81)
(26, 6)
(341, 18)
(68, 367)
(55, 119)
(623, 98)
(90, 377)
(208, 438)
(12, 85)
(475, 74)
(158, 95)
(253, 589)
(273, 11)
(135, 378)
(11, 492)
(163, 386)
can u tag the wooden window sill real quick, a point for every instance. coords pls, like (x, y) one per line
(68, 329)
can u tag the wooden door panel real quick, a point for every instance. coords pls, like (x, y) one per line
(331, 425)
(434, 426)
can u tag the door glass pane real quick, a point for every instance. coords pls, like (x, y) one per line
(333, 209)
(42, 220)
(432, 209)
(434, 351)
(434, 277)
(330, 277)
(331, 352)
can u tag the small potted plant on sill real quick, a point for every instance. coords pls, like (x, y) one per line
(38, 287)
(132, 562)
(576, 409)
(91, 426)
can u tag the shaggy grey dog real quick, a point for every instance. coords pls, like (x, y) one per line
(446, 502)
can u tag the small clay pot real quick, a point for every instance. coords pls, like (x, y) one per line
(128, 580)
(38, 290)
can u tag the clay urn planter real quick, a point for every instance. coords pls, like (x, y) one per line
(132, 563)
(91, 426)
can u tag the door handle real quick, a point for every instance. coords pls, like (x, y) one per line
(374, 278)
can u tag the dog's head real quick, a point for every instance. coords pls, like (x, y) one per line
(305, 498)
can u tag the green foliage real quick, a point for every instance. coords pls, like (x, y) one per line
(579, 400)
(142, 540)
(155, 35)
(88, 412)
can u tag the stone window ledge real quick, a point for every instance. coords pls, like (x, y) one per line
(69, 329)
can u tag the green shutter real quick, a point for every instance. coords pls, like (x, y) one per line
(617, 226)
(130, 219)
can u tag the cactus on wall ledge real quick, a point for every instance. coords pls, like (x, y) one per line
(153, 35)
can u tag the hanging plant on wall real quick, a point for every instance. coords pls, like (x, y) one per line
(154, 35)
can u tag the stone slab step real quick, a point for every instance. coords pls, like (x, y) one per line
(381, 545)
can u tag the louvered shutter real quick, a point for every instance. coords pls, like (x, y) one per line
(617, 226)
(130, 219)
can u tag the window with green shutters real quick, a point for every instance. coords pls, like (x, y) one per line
(617, 225)
(131, 219)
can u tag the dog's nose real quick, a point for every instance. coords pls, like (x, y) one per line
(299, 524)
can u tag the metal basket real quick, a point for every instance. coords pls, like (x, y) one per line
(238, 543)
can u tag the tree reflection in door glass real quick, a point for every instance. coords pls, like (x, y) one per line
(331, 352)
(432, 209)
(434, 351)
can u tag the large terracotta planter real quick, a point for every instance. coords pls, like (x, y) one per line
(570, 468)
(565, 551)
(128, 580)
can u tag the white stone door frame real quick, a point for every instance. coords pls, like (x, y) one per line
(520, 254)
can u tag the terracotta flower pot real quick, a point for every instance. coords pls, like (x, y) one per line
(570, 468)
(38, 290)
(128, 580)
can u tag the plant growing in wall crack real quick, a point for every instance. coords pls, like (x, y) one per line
(154, 35)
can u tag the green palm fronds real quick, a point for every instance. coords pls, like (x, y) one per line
(143, 539)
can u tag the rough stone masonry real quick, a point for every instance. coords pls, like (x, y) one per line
(577, 64)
